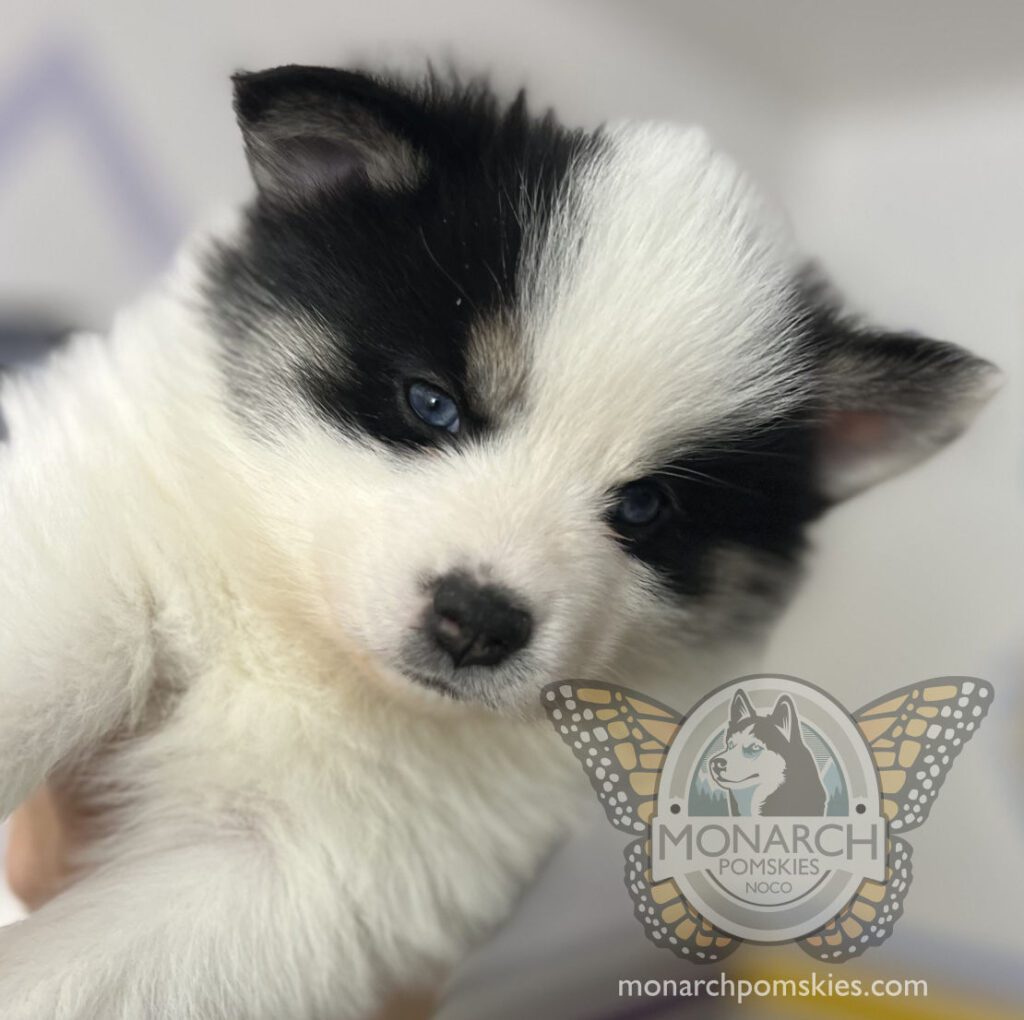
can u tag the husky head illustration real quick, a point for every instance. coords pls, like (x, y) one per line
(766, 760)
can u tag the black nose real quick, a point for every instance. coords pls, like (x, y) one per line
(718, 764)
(477, 625)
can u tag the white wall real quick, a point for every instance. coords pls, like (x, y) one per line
(916, 205)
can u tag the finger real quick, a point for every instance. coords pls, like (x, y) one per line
(36, 859)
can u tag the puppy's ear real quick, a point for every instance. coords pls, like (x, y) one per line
(740, 710)
(784, 717)
(890, 401)
(309, 129)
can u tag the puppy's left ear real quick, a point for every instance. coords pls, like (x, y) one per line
(310, 129)
(891, 401)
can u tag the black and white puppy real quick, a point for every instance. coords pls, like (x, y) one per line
(462, 403)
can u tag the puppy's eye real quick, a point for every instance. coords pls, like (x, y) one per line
(640, 505)
(433, 406)
(753, 751)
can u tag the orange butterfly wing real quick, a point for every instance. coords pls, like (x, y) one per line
(914, 735)
(868, 919)
(621, 739)
(669, 919)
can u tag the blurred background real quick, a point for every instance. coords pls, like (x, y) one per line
(893, 133)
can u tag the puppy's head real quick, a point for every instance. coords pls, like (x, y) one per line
(541, 403)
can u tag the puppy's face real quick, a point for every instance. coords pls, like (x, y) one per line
(539, 403)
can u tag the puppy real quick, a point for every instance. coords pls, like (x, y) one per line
(461, 403)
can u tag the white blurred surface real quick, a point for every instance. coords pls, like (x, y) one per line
(893, 133)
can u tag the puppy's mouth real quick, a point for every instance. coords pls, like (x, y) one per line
(434, 683)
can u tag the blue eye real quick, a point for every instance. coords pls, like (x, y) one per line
(640, 504)
(434, 406)
(752, 751)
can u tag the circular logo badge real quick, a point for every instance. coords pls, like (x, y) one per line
(768, 811)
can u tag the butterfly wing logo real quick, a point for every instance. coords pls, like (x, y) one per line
(914, 735)
(623, 739)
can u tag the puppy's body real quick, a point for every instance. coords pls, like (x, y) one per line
(229, 525)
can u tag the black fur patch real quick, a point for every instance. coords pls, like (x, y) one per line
(755, 489)
(400, 277)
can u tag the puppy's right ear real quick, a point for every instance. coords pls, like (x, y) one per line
(314, 129)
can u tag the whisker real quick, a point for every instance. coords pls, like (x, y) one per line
(733, 451)
(444, 272)
(690, 474)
